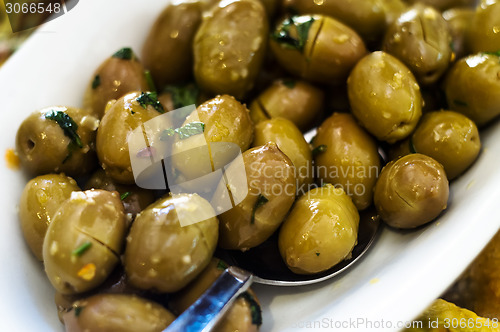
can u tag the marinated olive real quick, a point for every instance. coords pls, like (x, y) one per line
(57, 139)
(411, 191)
(290, 141)
(472, 86)
(345, 155)
(120, 74)
(83, 241)
(167, 51)
(317, 48)
(39, 202)
(126, 114)
(271, 191)
(227, 54)
(117, 313)
(420, 38)
(450, 138)
(162, 253)
(320, 231)
(295, 100)
(459, 20)
(484, 31)
(385, 97)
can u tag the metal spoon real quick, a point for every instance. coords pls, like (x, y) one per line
(263, 265)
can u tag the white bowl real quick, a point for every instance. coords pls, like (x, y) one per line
(399, 277)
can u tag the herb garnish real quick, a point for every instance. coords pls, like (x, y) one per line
(186, 131)
(125, 53)
(318, 150)
(289, 83)
(150, 98)
(317, 254)
(261, 200)
(149, 80)
(125, 195)
(81, 249)
(460, 103)
(183, 95)
(255, 310)
(78, 311)
(69, 128)
(497, 53)
(96, 82)
(412, 146)
(284, 36)
(221, 265)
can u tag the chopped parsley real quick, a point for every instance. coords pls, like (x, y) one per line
(183, 95)
(78, 311)
(81, 249)
(289, 83)
(69, 128)
(125, 53)
(317, 254)
(186, 131)
(460, 103)
(284, 35)
(261, 200)
(318, 150)
(150, 98)
(125, 195)
(255, 310)
(497, 53)
(221, 265)
(149, 80)
(96, 82)
(412, 146)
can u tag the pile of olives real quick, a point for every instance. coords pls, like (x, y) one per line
(411, 81)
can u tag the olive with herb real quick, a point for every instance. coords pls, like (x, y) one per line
(317, 48)
(84, 241)
(320, 231)
(119, 74)
(411, 191)
(57, 139)
(39, 202)
(385, 97)
(484, 32)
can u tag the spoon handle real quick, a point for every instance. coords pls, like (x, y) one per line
(211, 306)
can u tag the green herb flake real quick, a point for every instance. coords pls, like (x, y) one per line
(318, 150)
(150, 81)
(125, 195)
(283, 34)
(412, 146)
(186, 131)
(81, 249)
(255, 310)
(96, 82)
(150, 98)
(289, 83)
(221, 265)
(78, 311)
(317, 254)
(183, 95)
(69, 128)
(497, 53)
(125, 53)
(261, 200)
(460, 103)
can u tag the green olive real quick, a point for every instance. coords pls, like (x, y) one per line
(271, 183)
(167, 51)
(117, 313)
(459, 20)
(420, 38)
(227, 54)
(385, 97)
(445, 4)
(125, 115)
(291, 142)
(484, 31)
(39, 202)
(57, 139)
(317, 48)
(164, 251)
(471, 87)
(320, 231)
(119, 74)
(295, 100)
(411, 191)
(346, 156)
(450, 138)
(84, 240)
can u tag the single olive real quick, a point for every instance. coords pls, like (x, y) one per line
(39, 202)
(165, 251)
(472, 86)
(295, 100)
(445, 4)
(459, 20)
(291, 142)
(125, 115)
(84, 240)
(345, 155)
(451, 138)
(167, 51)
(270, 178)
(384, 97)
(227, 53)
(411, 191)
(484, 31)
(57, 139)
(420, 38)
(317, 48)
(117, 313)
(119, 74)
(320, 231)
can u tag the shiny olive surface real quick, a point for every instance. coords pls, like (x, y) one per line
(320, 231)
(484, 32)
(39, 202)
(83, 241)
(227, 53)
(411, 191)
(271, 182)
(163, 253)
(450, 138)
(43, 146)
(472, 86)
(345, 155)
(117, 313)
(385, 97)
